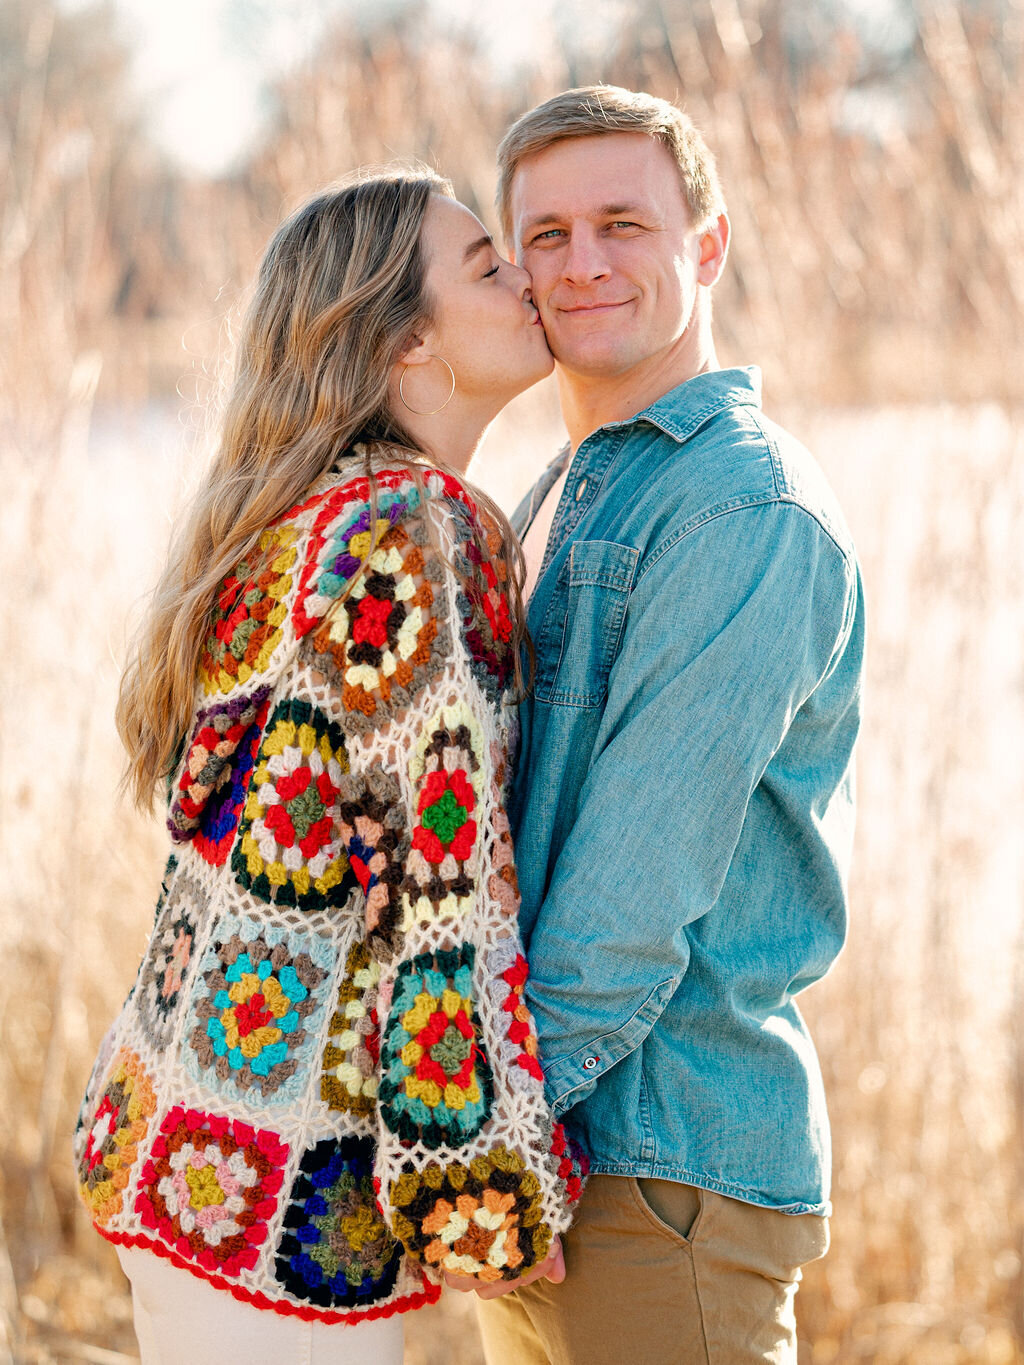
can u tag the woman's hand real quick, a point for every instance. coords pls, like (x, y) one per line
(552, 1268)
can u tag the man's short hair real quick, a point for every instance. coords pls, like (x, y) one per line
(594, 110)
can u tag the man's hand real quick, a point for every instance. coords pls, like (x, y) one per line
(552, 1268)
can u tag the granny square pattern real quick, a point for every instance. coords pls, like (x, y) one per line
(324, 1088)
(436, 1083)
(288, 851)
(447, 767)
(568, 1161)
(506, 976)
(335, 1250)
(482, 1220)
(341, 540)
(352, 1054)
(502, 884)
(256, 1010)
(112, 1137)
(372, 823)
(210, 1187)
(251, 611)
(221, 754)
(483, 606)
(382, 644)
(169, 959)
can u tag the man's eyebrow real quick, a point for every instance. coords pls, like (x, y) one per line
(481, 244)
(605, 211)
(538, 220)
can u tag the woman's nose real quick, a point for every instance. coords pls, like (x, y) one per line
(523, 283)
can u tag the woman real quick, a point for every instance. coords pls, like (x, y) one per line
(331, 1003)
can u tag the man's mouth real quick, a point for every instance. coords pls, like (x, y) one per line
(585, 309)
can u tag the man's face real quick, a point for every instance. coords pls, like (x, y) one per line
(603, 228)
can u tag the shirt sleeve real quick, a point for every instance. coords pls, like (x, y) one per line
(729, 630)
(473, 1174)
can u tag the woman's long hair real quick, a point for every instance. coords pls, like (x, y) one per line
(339, 295)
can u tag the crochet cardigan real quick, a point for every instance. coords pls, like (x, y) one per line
(324, 1087)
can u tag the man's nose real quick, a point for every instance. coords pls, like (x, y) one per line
(585, 261)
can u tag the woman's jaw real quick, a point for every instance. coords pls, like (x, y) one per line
(483, 346)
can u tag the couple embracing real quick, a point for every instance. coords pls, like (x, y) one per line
(406, 753)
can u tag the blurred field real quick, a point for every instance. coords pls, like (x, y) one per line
(877, 275)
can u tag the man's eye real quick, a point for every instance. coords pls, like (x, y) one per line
(546, 236)
(622, 223)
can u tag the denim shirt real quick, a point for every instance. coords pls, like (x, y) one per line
(683, 801)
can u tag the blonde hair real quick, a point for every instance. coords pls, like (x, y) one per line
(339, 295)
(596, 110)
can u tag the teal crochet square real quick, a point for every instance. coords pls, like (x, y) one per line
(436, 1085)
(256, 1013)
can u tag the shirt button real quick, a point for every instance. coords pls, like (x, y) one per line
(589, 1063)
(580, 489)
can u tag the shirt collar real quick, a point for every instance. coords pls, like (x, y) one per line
(680, 413)
(684, 409)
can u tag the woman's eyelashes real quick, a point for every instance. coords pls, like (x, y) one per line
(493, 271)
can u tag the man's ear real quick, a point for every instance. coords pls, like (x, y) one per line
(714, 247)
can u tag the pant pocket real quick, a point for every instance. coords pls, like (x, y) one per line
(771, 1243)
(672, 1208)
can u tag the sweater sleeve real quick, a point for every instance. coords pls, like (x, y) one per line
(473, 1174)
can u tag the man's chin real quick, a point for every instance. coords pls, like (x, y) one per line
(591, 365)
(599, 357)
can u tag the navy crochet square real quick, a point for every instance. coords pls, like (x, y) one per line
(335, 1250)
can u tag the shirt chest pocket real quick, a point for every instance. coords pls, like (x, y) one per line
(582, 627)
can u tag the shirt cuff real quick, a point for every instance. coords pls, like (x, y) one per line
(569, 1080)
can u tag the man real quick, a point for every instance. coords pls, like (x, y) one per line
(683, 804)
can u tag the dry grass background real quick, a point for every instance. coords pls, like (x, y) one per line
(880, 281)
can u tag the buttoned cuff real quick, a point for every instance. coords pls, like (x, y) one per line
(569, 1080)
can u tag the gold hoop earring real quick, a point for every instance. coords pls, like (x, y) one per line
(418, 411)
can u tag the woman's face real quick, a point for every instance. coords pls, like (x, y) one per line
(485, 325)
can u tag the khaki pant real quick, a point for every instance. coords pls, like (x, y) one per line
(660, 1273)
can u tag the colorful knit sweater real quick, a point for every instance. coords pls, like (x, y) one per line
(324, 1088)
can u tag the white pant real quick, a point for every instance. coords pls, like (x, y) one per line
(182, 1320)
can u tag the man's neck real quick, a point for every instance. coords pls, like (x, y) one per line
(592, 401)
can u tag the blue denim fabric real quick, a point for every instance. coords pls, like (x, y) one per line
(683, 803)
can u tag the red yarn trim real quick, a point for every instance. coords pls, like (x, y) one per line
(431, 1292)
(390, 479)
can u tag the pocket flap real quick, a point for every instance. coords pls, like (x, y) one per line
(603, 564)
